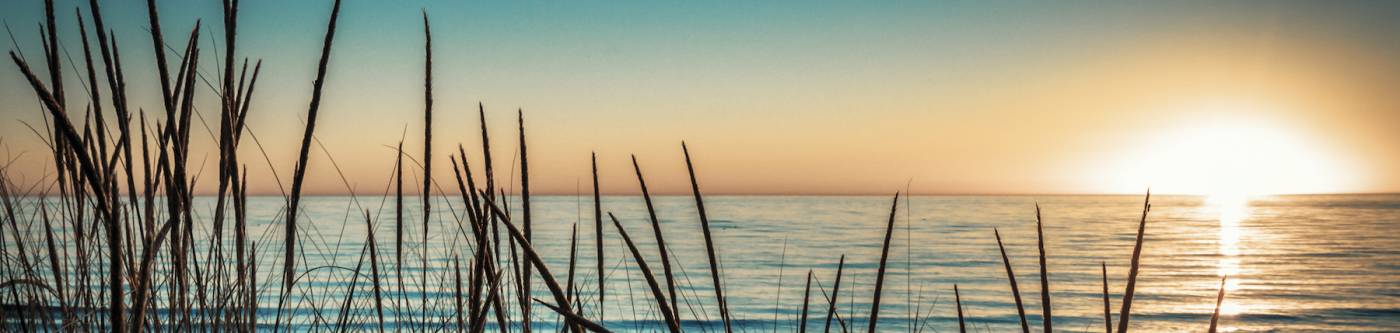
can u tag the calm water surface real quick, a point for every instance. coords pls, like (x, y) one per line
(1295, 263)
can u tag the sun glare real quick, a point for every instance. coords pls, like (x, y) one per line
(1229, 153)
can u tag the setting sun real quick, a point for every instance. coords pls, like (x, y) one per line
(1174, 166)
(1229, 153)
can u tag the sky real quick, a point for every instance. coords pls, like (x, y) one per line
(1237, 97)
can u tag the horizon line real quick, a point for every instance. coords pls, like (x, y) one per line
(826, 194)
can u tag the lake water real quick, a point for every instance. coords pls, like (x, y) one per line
(1295, 263)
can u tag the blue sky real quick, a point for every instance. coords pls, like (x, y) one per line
(812, 97)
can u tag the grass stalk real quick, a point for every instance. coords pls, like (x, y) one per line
(884, 257)
(1125, 313)
(957, 298)
(298, 176)
(671, 323)
(1015, 290)
(806, 296)
(709, 242)
(1044, 273)
(1107, 315)
(660, 240)
(374, 271)
(835, 294)
(1219, 300)
(598, 237)
(525, 222)
(427, 156)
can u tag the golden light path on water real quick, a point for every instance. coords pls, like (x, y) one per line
(1232, 209)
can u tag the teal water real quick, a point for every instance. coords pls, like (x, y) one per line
(1295, 263)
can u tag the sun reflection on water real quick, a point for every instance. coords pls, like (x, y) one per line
(1232, 209)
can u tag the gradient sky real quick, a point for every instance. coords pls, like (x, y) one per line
(811, 98)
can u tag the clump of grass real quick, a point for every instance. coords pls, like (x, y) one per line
(158, 280)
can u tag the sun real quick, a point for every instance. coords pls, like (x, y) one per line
(1230, 152)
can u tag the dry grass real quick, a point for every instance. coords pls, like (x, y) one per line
(166, 272)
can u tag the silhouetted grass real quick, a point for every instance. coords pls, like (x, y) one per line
(1044, 274)
(1125, 312)
(660, 240)
(1011, 276)
(671, 322)
(1219, 299)
(880, 275)
(166, 273)
(1107, 314)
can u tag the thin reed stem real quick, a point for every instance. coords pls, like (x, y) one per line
(1219, 300)
(884, 257)
(1011, 276)
(709, 241)
(1125, 313)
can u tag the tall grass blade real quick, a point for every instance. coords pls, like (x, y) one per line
(1044, 274)
(598, 237)
(1015, 290)
(525, 221)
(1219, 300)
(374, 270)
(671, 322)
(1107, 315)
(884, 257)
(1125, 313)
(957, 297)
(709, 242)
(835, 294)
(806, 295)
(660, 240)
(427, 157)
(289, 245)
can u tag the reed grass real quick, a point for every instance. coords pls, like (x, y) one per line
(671, 322)
(709, 242)
(806, 295)
(164, 272)
(534, 260)
(426, 193)
(1011, 277)
(525, 221)
(1125, 313)
(835, 291)
(957, 298)
(298, 176)
(598, 237)
(1107, 314)
(884, 257)
(1044, 274)
(1219, 300)
(660, 240)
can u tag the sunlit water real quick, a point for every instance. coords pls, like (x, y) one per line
(1294, 263)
